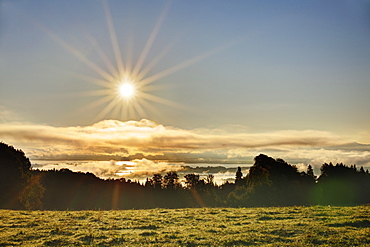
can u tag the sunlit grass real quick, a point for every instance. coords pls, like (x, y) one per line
(288, 226)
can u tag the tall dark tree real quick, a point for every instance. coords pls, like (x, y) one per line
(17, 186)
(239, 176)
(275, 182)
(157, 181)
(32, 193)
(210, 180)
(171, 181)
(343, 185)
(191, 180)
(270, 182)
(362, 169)
(310, 172)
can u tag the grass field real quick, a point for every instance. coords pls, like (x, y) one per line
(287, 226)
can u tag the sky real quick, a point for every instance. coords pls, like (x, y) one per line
(214, 82)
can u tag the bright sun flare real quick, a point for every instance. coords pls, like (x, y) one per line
(123, 97)
(126, 90)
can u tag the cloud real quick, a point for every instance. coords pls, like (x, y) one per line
(144, 168)
(146, 142)
(103, 169)
(141, 169)
(354, 146)
(113, 137)
(317, 157)
(135, 169)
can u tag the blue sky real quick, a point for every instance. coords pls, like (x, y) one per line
(252, 67)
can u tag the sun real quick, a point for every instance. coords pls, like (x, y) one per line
(126, 90)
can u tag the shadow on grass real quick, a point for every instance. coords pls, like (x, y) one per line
(239, 243)
(358, 224)
(148, 227)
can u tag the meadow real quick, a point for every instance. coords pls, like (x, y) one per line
(274, 226)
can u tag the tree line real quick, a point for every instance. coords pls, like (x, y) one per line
(269, 182)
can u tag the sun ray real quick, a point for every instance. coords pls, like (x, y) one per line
(139, 109)
(78, 54)
(121, 100)
(99, 92)
(148, 106)
(112, 69)
(117, 109)
(106, 109)
(155, 87)
(160, 100)
(92, 105)
(113, 37)
(129, 53)
(154, 62)
(94, 80)
(98, 102)
(123, 112)
(150, 41)
(131, 111)
(175, 68)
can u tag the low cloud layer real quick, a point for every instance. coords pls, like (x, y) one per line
(135, 169)
(112, 137)
(145, 141)
(141, 169)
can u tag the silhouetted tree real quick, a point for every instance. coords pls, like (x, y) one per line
(32, 194)
(362, 169)
(17, 185)
(310, 172)
(239, 177)
(343, 185)
(171, 181)
(273, 182)
(239, 174)
(210, 180)
(191, 180)
(157, 181)
(269, 182)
